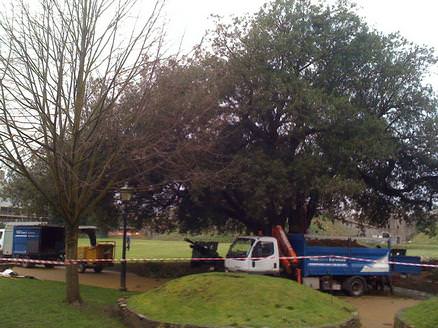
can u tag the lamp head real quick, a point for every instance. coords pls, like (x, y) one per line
(126, 193)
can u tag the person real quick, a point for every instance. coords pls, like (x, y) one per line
(128, 241)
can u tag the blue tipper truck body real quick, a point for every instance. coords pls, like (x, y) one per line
(368, 266)
(378, 260)
(34, 241)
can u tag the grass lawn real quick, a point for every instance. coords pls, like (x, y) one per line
(145, 248)
(229, 299)
(27, 303)
(423, 315)
(426, 251)
(423, 246)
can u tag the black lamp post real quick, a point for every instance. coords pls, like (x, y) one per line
(125, 196)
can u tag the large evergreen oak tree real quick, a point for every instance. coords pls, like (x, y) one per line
(323, 114)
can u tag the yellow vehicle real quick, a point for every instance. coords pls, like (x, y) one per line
(102, 251)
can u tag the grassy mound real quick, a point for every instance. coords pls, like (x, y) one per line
(423, 315)
(36, 304)
(228, 299)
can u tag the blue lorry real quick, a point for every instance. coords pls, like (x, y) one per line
(320, 263)
(34, 241)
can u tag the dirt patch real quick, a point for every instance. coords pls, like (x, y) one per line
(105, 279)
(427, 281)
(377, 311)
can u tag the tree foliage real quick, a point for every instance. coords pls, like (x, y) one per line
(322, 114)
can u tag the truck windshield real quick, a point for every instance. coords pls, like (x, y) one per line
(240, 248)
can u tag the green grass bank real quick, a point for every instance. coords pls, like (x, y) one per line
(27, 303)
(423, 315)
(229, 299)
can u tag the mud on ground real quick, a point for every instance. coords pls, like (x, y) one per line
(378, 311)
(427, 282)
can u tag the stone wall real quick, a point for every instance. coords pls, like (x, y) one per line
(399, 323)
(135, 320)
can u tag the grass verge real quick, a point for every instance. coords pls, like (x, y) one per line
(424, 246)
(228, 299)
(27, 303)
(423, 315)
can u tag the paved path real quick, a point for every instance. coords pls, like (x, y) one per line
(375, 311)
(105, 279)
(378, 311)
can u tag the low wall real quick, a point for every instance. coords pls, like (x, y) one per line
(411, 293)
(399, 323)
(135, 320)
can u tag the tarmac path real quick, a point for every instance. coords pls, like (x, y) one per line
(375, 311)
(378, 311)
(105, 279)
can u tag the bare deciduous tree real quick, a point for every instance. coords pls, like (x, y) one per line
(63, 67)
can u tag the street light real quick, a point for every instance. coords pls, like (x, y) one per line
(126, 193)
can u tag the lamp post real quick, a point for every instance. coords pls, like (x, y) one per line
(125, 196)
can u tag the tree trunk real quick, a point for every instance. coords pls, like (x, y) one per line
(299, 222)
(71, 271)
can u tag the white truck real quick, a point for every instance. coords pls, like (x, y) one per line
(327, 265)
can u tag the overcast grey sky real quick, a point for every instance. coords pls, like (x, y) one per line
(416, 20)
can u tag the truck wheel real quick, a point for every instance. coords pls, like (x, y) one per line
(355, 286)
(82, 267)
(98, 268)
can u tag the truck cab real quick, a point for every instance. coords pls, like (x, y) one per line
(253, 254)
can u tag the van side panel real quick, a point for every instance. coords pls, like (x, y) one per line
(26, 240)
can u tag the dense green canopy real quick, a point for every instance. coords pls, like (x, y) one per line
(323, 115)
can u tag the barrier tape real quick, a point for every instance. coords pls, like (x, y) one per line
(186, 259)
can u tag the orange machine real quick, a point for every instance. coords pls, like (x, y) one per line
(104, 251)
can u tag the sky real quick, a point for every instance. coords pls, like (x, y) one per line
(416, 20)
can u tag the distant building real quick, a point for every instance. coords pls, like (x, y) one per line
(7, 211)
(397, 229)
(10, 212)
(400, 230)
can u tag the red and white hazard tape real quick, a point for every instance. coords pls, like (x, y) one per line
(380, 261)
(187, 259)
